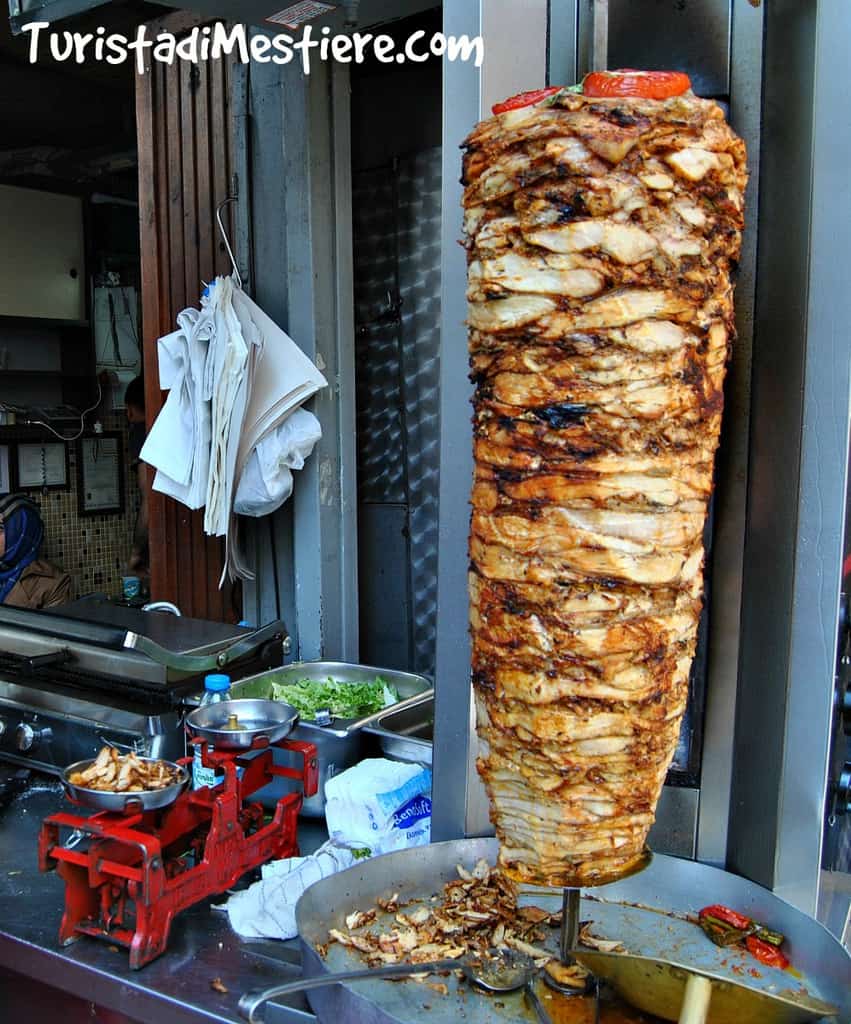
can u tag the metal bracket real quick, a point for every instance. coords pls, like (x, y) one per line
(232, 198)
(600, 39)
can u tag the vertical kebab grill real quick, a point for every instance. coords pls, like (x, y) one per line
(601, 233)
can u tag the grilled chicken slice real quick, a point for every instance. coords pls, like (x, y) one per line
(601, 234)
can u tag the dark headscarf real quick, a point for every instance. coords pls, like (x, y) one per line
(24, 534)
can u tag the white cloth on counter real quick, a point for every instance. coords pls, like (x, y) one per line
(267, 480)
(374, 807)
(266, 909)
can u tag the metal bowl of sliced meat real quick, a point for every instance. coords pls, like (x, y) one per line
(124, 783)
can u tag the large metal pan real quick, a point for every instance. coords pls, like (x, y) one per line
(669, 885)
(269, 719)
(123, 803)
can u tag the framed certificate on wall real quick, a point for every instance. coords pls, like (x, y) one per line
(42, 465)
(100, 478)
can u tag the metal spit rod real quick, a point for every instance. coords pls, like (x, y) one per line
(570, 903)
(571, 899)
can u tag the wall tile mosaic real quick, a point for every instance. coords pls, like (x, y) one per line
(93, 549)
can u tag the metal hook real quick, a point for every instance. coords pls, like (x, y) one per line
(232, 198)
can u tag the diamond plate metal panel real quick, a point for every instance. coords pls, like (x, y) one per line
(380, 441)
(419, 284)
(397, 305)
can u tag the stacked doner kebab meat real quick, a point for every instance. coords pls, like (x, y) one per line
(601, 232)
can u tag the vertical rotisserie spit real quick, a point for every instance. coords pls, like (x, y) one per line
(601, 233)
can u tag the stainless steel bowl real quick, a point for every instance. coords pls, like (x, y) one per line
(256, 718)
(123, 803)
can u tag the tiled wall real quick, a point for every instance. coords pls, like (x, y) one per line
(93, 549)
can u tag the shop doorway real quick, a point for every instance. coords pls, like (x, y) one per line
(70, 331)
(84, 145)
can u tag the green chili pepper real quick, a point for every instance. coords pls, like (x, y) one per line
(722, 934)
(766, 935)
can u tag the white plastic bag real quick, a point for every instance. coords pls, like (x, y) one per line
(379, 805)
(266, 481)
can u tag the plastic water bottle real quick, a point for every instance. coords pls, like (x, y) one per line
(216, 690)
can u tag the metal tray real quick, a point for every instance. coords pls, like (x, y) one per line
(406, 733)
(123, 803)
(669, 885)
(410, 687)
(340, 744)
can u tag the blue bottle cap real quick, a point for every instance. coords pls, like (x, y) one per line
(217, 682)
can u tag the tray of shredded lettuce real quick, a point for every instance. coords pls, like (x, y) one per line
(342, 700)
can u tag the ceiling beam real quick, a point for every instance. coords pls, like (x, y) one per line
(64, 164)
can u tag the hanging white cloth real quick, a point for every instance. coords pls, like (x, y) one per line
(267, 479)
(281, 378)
(284, 378)
(178, 445)
(233, 378)
(227, 380)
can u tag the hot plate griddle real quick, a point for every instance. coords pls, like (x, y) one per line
(92, 673)
(180, 634)
(97, 645)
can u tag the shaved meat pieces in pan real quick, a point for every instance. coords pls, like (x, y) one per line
(111, 772)
(475, 914)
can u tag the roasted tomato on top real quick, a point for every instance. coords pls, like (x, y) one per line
(649, 85)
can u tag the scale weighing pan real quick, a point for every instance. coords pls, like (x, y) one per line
(269, 720)
(669, 886)
(123, 802)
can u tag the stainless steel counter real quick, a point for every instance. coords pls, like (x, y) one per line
(174, 989)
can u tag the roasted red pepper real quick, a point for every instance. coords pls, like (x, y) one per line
(728, 927)
(766, 954)
(525, 99)
(730, 917)
(649, 85)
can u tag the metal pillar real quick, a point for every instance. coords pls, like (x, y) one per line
(515, 59)
(799, 454)
(300, 190)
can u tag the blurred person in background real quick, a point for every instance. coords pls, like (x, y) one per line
(27, 581)
(134, 403)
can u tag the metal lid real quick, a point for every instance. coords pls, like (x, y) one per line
(217, 682)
